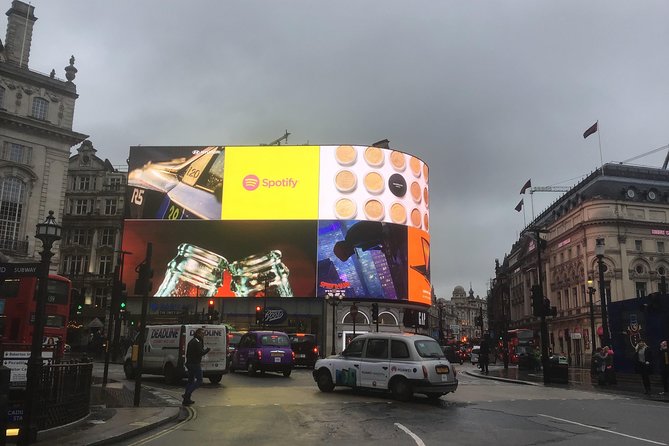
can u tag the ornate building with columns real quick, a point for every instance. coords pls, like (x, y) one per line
(625, 210)
(36, 116)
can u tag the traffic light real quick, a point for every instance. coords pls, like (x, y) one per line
(260, 315)
(548, 310)
(537, 301)
(123, 303)
(143, 285)
(212, 314)
(375, 312)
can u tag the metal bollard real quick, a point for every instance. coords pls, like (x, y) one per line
(4, 403)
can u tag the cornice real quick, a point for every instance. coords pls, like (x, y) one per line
(41, 127)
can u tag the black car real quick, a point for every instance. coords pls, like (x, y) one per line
(451, 354)
(305, 348)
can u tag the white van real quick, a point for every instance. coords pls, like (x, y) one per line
(165, 352)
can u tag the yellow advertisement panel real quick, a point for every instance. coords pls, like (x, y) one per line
(271, 183)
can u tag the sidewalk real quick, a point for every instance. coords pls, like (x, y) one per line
(628, 384)
(114, 418)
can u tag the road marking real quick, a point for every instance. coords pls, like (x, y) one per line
(191, 416)
(602, 429)
(415, 437)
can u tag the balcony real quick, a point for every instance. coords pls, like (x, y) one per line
(14, 246)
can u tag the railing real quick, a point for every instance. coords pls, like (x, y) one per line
(64, 393)
(14, 246)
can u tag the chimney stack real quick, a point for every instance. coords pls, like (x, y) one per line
(19, 33)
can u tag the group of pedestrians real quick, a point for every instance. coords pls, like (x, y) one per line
(603, 366)
(644, 363)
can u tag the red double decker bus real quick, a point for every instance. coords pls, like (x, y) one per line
(17, 310)
(520, 344)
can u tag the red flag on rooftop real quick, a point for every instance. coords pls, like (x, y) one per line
(591, 130)
(519, 207)
(526, 186)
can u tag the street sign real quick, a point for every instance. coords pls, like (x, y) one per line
(10, 270)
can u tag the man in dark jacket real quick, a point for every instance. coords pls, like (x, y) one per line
(484, 353)
(194, 353)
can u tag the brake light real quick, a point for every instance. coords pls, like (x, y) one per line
(424, 372)
(316, 350)
(293, 354)
(259, 355)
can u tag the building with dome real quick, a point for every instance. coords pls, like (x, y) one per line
(461, 314)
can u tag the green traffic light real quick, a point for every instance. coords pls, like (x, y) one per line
(122, 304)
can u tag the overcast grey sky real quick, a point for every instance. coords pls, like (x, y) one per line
(488, 93)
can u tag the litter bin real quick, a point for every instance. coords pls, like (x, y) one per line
(558, 370)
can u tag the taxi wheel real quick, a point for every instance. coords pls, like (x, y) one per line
(251, 369)
(286, 373)
(324, 381)
(433, 396)
(401, 389)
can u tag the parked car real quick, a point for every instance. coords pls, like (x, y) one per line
(233, 340)
(474, 355)
(401, 363)
(452, 354)
(305, 348)
(264, 351)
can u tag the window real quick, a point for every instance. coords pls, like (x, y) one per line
(574, 293)
(640, 289)
(559, 300)
(79, 237)
(79, 207)
(40, 108)
(17, 153)
(100, 296)
(660, 246)
(108, 237)
(639, 269)
(12, 193)
(105, 265)
(115, 183)
(354, 349)
(399, 349)
(566, 298)
(83, 183)
(377, 349)
(110, 206)
(75, 265)
(2, 98)
(637, 245)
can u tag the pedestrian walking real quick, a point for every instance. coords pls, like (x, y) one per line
(609, 371)
(195, 352)
(643, 362)
(484, 353)
(599, 360)
(664, 366)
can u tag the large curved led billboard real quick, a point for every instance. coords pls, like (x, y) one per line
(292, 221)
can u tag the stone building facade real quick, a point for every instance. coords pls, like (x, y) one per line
(36, 117)
(92, 230)
(460, 314)
(626, 210)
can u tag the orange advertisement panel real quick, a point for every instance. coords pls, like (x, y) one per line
(271, 183)
(420, 289)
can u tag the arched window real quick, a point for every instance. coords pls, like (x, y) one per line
(387, 318)
(40, 108)
(12, 193)
(2, 98)
(360, 318)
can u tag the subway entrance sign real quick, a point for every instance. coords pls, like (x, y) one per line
(11, 270)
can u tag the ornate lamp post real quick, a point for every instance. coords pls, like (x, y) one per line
(591, 292)
(334, 300)
(48, 232)
(599, 252)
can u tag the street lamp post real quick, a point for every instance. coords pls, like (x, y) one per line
(48, 232)
(599, 252)
(440, 308)
(591, 292)
(334, 300)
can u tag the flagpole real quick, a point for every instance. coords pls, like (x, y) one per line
(532, 200)
(599, 140)
(524, 219)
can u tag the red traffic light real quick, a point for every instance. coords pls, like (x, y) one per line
(211, 302)
(258, 308)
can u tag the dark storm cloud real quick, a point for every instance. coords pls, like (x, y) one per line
(489, 94)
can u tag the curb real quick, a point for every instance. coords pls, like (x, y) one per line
(497, 378)
(150, 425)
